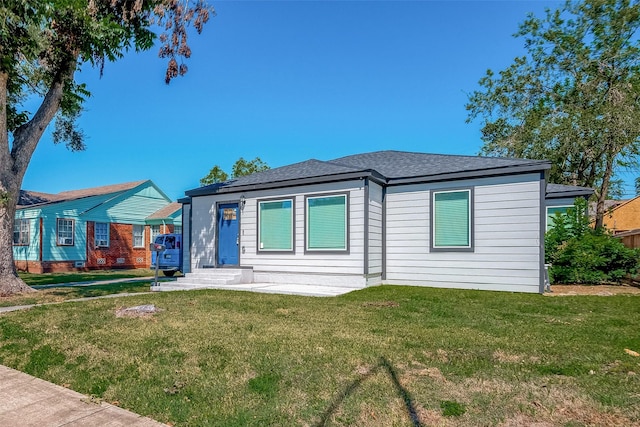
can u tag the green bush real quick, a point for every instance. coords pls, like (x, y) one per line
(579, 254)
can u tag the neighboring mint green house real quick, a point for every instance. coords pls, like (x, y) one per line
(103, 227)
(385, 217)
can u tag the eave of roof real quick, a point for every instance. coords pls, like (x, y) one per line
(559, 191)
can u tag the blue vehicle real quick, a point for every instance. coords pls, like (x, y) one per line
(171, 257)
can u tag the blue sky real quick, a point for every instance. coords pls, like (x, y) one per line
(288, 81)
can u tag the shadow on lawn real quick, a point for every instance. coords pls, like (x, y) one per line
(351, 388)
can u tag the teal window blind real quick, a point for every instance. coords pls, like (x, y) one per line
(551, 214)
(327, 223)
(276, 225)
(452, 219)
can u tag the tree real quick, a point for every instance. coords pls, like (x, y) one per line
(42, 44)
(216, 174)
(240, 168)
(244, 167)
(574, 98)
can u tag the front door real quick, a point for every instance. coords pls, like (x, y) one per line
(228, 237)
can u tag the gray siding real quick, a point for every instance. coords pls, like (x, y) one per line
(186, 244)
(506, 252)
(299, 262)
(374, 273)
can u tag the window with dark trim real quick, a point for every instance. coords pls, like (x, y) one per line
(451, 220)
(21, 232)
(275, 225)
(101, 234)
(138, 236)
(326, 223)
(65, 231)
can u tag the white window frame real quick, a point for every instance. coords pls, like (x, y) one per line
(459, 248)
(153, 234)
(546, 219)
(177, 229)
(22, 228)
(65, 231)
(140, 236)
(102, 240)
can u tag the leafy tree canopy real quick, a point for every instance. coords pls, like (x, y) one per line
(42, 44)
(240, 168)
(574, 98)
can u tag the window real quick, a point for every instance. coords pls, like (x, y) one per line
(177, 229)
(155, 230)
(451, 220)
(21, 232)
(551, 214)
(275, 225)
(138, 236)
(326, 223)
(101, 234)
(65, 231)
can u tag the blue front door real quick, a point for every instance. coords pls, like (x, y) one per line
(228, 238)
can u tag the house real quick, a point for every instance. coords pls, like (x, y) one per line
(560, 198)
(103, 227)
(622, 216)
(384, 217)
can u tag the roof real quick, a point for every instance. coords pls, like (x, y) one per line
(166, 211)
(559, 191)
(609, 205)
(388, 167)
(33, 198)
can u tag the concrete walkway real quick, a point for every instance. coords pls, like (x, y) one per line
(24, 307)
(29, 401)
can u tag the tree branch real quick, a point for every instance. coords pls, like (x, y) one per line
(27, 136)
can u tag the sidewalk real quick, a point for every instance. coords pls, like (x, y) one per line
(30, 401)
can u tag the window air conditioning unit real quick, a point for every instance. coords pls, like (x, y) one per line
(78, 264)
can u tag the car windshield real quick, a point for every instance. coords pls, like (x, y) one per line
(159, 240)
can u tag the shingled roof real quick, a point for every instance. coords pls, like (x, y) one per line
(559, 191)
(166, 211)
(33, 198)
(389, 167)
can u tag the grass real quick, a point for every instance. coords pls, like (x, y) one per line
(59, 294)
(32, 279)
(381, 356)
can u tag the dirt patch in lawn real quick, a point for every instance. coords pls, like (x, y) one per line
(600, 290)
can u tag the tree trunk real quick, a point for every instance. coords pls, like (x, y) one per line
(604, 189)
(10, 283)
(14, 160)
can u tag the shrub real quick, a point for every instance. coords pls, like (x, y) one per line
(579, 254)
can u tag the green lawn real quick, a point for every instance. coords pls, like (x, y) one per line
(59, 294)
(382, 356)
(32, 279)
